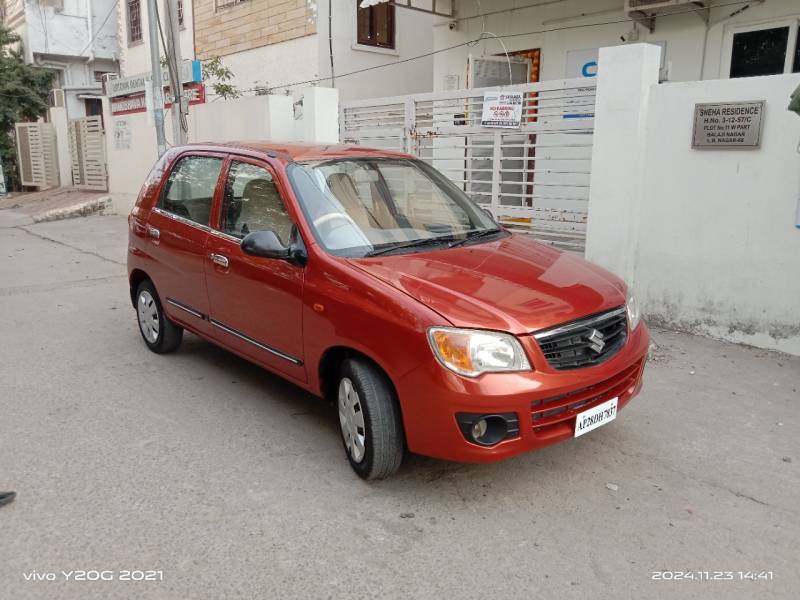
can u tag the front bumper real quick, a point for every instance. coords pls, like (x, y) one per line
(545, 400)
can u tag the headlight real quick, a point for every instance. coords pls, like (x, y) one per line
(633, 310)
(471, 352)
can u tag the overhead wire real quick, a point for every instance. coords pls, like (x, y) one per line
(472, 42)
(99, 29)
(173, 73)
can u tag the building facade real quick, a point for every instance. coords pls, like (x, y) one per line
(77, 39)
(133, 27)
(282, 45)
(715, 39)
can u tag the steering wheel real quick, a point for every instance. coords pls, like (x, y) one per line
(327, 218)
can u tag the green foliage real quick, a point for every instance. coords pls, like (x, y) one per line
(794, 101)
(23, 96)
(217, 76)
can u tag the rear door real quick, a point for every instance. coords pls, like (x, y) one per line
(177, 230)
(255, 303)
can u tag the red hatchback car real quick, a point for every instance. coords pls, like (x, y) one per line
(368, 278)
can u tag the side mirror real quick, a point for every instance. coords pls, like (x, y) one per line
(266, 244)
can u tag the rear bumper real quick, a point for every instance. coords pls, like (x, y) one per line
(545, 401)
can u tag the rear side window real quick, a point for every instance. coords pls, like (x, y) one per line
(190, 188)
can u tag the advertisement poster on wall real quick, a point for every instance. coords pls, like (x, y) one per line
(580, 64)
(502, 109)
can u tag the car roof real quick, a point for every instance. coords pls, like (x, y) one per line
(298, 151)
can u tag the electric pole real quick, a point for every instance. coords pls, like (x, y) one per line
(156, 85)
(179, 105)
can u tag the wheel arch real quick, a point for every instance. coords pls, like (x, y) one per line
(136, 277)
(329, 364)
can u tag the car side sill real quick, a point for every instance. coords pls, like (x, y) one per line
(256, 343)
(234, 332)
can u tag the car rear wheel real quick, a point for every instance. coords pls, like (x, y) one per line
(369, 420)
(159, 333)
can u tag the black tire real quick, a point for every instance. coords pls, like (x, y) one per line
(384, 443)
(169, 335)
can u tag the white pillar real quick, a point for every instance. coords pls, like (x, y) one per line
(280, 118)
(624, 80)
(321, 115)
(58, 117)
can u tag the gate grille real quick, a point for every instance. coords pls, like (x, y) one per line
(88, 153)
(36, 152)
(534, 178)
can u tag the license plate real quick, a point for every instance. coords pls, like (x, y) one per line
(595, 417)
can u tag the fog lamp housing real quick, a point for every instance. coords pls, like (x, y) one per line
(488, 429)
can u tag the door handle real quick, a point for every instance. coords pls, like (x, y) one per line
(220, 260)
(154, 233)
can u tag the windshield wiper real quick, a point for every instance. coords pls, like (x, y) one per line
(474, 235)
(412, 244)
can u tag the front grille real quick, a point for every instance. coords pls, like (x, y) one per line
(554, 410)
(588, 341)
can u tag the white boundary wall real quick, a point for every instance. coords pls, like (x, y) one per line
(254, 118)
(706, 237)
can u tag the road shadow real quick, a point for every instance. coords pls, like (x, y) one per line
(417, 472)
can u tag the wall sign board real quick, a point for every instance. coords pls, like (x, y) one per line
(190, 71)
(122, 134)
(194, 93)
(728, 124)
(502, 109)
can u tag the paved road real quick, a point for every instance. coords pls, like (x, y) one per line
(233, 483)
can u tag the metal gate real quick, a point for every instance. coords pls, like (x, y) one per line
(534, 178)
(87, 150)
(36, 153)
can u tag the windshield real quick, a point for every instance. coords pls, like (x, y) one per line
(365, 206)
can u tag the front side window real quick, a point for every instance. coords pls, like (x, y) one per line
(189, 190)
(364, 206)
(252, 203)
(134, 20)
(375, 25)
(764, 52)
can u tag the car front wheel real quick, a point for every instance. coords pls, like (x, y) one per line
(369, 420)
(159, 333)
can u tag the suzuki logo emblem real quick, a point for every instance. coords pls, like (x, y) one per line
(596, 341)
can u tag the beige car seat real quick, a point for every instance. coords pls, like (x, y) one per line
(345, 191)
(262, 208)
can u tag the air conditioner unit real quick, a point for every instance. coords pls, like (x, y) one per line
(56, 99)
(656, 5)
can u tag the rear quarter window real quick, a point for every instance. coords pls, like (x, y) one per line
(189, 189)
(151, 183)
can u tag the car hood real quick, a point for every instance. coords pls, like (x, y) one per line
(513, 284)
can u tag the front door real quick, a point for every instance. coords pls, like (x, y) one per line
(255, 303)
(177, 229)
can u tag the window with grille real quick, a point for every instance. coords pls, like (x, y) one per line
(180, 13)
(375, 25)
(134, 20)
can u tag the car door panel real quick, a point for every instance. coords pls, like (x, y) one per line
(176, 232)
(255, 304)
